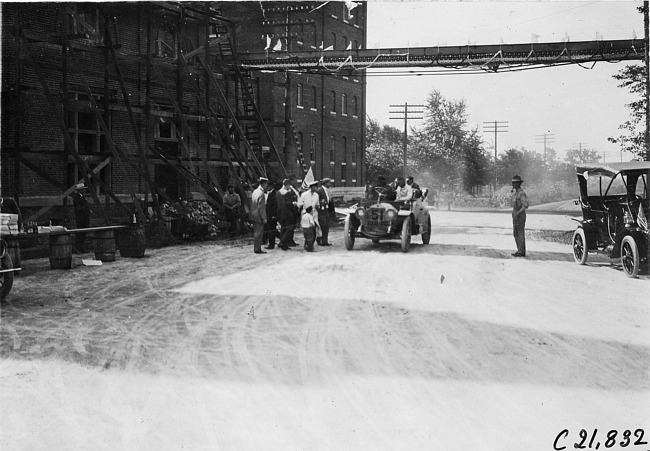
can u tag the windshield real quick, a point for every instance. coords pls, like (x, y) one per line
(617, 187)
(642, 186)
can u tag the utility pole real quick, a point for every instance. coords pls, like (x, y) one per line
(406, 115)
(496, 127)
(546, 138)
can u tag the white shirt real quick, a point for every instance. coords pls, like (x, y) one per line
(309, 199)
(405, 193)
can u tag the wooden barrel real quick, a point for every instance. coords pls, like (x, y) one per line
(105, 245)
(13, 249)
(60, 251)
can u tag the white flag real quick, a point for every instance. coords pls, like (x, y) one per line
(534, 37)
(321, 45)
(331, 47)
(308, 180)
(278, 46)
(268, 42)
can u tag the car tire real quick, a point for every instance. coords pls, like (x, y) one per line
(630, 256)
(348, 234)
(426, 237)
(6, 278)
(406, 234)
(375, 240)
(579, 244)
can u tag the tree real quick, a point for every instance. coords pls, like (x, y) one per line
(443, 148)
(582, 155)
(384, 151)
(633, 79)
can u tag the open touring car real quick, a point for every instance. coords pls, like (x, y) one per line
(614, 202)
(381, 219)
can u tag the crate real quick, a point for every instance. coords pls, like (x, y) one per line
(8, 224)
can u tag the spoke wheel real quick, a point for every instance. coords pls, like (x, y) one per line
(426, 236)
(348, 234)
(6, 278)
(579, 243)
(630, 256)
(406, 235)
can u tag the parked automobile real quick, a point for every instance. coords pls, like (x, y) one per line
(379, 219)
(614, 201)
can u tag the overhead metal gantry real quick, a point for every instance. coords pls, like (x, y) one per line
(486, 57)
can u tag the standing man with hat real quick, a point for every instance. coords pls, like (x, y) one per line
(287, 212)
(258, 214)
(310, 199)
(326, 211)
(519, 206)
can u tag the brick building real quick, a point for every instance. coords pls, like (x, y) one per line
(144, 100)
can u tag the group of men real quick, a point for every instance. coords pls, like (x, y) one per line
(402, 189)
(283, 205)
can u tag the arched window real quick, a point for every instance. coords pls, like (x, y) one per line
(345, 149)
(314, 96)
(332, 148)
(344, 104)
(345, 42)
(355, 106)
(353, 156)
(334, 41)
(333, 102)
(300, 97)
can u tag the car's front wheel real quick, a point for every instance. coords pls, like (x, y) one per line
(579, 243)
(406, 235)
(348, 234)
(426, 236)
(630, 256)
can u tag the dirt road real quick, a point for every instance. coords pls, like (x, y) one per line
(453, 346)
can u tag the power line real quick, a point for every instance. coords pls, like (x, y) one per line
(546, 138)
(406, 115)
(496, 127)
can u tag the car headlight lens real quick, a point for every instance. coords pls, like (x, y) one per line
(391, 214)
(360, 213)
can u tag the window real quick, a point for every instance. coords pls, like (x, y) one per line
(353, 157)
(166, 129)
(166, 42)
(83, 125)
(84, 21)
(345, 42)
(312, 148)
(355, 106)
(332, 148)
(300, 99)
(333, 102)
(344, 104)
(314, 96)
(345, 150)
(334, 41)
(343, 172)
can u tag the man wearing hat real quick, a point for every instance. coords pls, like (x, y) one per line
(287, 211)
(326, 211)
(310, 199)
(519, 206)
(411, 183)
(231, 205)
(258, 214)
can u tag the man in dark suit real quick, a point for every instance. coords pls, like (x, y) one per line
(270, 228)
(287, 211)
(326, 212)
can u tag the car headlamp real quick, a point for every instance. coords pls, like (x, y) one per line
(360, 213)
(391, 214)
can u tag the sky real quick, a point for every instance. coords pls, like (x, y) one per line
(574, 106)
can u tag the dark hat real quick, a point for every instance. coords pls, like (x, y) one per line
(409, 177)
(381, 177)
(326, 180)
(517, 179)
